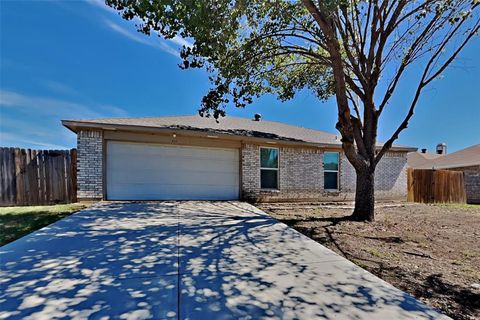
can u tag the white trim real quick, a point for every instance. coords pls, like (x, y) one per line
(107, 177)
(335, 171)
(271, 169)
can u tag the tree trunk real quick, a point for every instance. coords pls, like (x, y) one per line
(364, 195)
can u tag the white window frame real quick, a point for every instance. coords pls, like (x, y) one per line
(272, 169)
(336, 171)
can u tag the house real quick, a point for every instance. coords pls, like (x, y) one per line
(466, 160)
(190, 157)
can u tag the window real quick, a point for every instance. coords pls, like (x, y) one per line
(268, 168)
(330, 170)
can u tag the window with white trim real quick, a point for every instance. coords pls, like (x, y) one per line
(330, 170)
(269, 168)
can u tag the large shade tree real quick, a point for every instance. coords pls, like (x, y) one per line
(356, 50)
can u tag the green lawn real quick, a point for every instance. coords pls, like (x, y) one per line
(459, 205)
(16, 222)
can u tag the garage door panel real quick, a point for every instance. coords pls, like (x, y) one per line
(139, 171)
(173, 151)
(177, 164)
(185, 178)
(172, 192)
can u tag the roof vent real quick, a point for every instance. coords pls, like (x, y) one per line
(424, 150)
(442, 148)
(257, 117)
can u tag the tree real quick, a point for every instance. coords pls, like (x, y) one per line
(356, 50)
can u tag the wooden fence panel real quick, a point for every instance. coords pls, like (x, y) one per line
(73, 176)
(34, 177)
(42, 191)
(7, 171)
(435, 186)
(53, 175)
(48, 176)
(60, 176)
(71, 163)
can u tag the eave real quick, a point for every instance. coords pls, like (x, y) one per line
(75, 126)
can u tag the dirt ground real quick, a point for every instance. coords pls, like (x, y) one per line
(430, 251)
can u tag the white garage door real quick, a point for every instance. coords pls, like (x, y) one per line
(139, 171)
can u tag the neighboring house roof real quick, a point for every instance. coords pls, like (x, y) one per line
(463, 158)
(225, 126)
(417, 159)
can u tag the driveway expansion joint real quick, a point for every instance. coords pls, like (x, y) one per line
(245, 265)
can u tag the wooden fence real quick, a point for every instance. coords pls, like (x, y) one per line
(436, 186)
(35, 177)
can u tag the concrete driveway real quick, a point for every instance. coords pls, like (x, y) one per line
(187, 260)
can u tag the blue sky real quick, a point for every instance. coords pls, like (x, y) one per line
(74, 59)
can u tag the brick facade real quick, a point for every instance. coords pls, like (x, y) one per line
(90, 164)
(390, 177)
(472, 183)
(301, 176)
(300, 173)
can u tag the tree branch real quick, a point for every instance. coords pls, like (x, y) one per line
(423, 83)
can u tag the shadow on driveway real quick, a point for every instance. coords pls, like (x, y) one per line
(187, 260)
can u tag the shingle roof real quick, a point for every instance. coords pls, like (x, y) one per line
(417, 159)
(226, 125)
(463, 158)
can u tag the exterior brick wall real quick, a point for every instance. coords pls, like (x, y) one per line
(390, 177)
(250, 171)
(301, 176)
(300, 173)
(472, 183)
(90, 164)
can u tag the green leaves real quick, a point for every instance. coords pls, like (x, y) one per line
(250, 47)
(256, 47)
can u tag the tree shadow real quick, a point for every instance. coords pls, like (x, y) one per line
(332, 220)
(457, 301)
(187, 260)
(468, 302)
(14, 226)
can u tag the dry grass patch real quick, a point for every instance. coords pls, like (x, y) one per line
(430, 251)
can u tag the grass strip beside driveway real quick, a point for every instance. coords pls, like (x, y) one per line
(16, 222)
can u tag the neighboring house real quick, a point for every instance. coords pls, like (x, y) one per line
(190, 157)
(418, 159)
(466, 160)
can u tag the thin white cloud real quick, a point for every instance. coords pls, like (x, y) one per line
(18, 124)
(101, 4)
(34, 121)
(137, 37)
(177, 40)
(17, 130)
(14, 140)
(56, 107)
(181, 41)
(58, 87)
(118, 112)
(132, 36)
